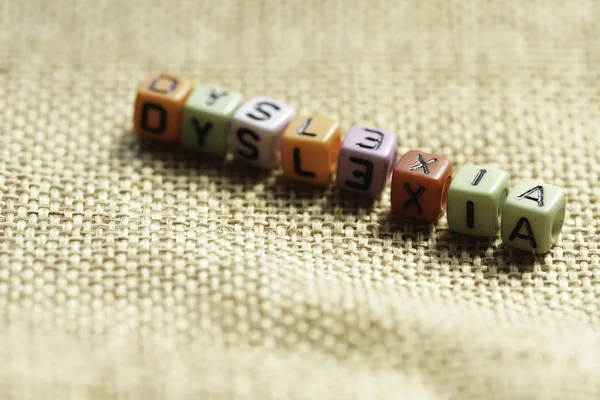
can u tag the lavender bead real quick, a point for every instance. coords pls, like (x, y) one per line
(256, 130)
(366, 160)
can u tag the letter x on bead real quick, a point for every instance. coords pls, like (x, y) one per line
(422, 164)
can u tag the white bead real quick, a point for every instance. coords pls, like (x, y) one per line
(256, 131)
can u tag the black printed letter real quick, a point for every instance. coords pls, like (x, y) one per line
(154, 83)
(515, 233)
(422, 164)
(261, 108)
(470, 204)
(366, 176)
(414, 197)
(302, 130)
(539, 195)
(470, 215)
(202, 131)
(478, 177)
(213, 96)
(298, 168)
(162, 121)
(375, 141)
(243, 136)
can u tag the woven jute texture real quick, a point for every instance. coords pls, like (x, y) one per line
(138, 271)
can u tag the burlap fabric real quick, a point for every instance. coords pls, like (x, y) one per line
(132, 271)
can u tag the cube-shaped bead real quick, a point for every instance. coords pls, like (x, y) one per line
(309, 149)
(256, 131)
(159, 105)
(420, 184)
(476, 199)
(366, 160)
(533, 215)
(207, 119)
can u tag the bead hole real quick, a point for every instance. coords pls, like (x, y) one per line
(503, 197)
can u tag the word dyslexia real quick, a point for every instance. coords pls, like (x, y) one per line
(266, 133)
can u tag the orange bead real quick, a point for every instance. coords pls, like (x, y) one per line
(420, 184)
(159, 106)
(310, 148)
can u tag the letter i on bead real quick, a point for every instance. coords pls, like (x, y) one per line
(476, 199)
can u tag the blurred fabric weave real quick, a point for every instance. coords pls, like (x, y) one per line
(135, 271)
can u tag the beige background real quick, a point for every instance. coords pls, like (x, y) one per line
(133, 271)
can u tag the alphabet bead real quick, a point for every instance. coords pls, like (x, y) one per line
(309, 149)
(420, 184)
(256, 131)
(533, 215)
(159, 105)
(264, 132)
(207, 119)
(366, 160)
(476, 199)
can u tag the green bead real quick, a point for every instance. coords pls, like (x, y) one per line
(475, 200)
(533, 216)
(206, 120)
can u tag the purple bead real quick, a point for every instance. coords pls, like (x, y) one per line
(366, 160)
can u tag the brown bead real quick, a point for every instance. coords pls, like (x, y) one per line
(420, 184)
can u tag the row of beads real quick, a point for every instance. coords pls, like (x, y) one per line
(265, 133)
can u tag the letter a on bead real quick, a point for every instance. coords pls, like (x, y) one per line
(516, 232)
(539, 191)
